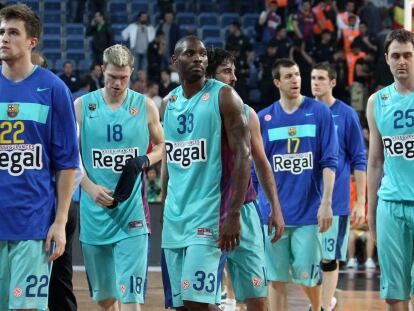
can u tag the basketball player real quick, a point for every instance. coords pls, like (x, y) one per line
(116, 127)
(390, 113)
(301, 144)
(39, 156)
(207, 172)
(246, 263)
(351, 157)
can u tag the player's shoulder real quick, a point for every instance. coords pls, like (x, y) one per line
(267, 111)
(43, 75)
(315, 105)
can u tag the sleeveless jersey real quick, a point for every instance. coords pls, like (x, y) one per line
(394, 116)
(108, 139)
(299, 146)
(37, 139)
(195, 204)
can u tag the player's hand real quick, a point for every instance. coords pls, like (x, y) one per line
(57, 235)
(358, 213)
(230, 232)
(276, 221)
(372, 224)
(325, 216)
(101, 196)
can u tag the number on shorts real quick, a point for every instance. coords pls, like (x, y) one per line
(201, 278)
(329, 244)
(33, 283)
(135, 284)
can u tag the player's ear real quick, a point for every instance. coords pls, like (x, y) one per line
(333, 83)
(276, 82)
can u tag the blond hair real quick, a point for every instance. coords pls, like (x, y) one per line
(118, 55)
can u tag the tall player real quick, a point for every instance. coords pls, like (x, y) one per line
(207, 171)
(301, 144)
(116, 128)
(247, 262)
(351, 157)
(390, 113)
(39, 156)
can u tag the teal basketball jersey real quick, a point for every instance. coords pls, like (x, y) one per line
(394, 116)
(108, 139)
(193, 137)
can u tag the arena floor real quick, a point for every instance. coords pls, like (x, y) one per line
(358, 291)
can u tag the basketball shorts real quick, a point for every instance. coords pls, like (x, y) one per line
(295, 256)
(118, 270)
(24, 275)
(335, 239)
(192, 273)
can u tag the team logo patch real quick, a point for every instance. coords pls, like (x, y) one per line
(267, 117)
(206, 96)
(305, 275)
(173, 98)
(133, 111)
(256, 281)
(135, 224)
(17, 292)
(385, 96)
(92, 107)
(204, 232)
(186, 284)
(12, 110)
(122, 288)
(292, 131)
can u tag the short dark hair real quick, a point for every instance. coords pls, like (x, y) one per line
(399, 35)
(22, 12)
(179, 46)
(216, 57)
(281, 62)
(327, 67)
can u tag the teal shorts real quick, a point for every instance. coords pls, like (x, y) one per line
(24, 275)
(335, 240)
(192, 273)
(395, 236)
(118, 270)
(246, 263)
(295, 257)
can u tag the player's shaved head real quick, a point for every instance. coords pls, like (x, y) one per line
(182, 43)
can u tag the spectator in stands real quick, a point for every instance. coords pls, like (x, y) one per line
(68, 76)
(371, 16)
(342, 21)
(38, 58)
(84, 88)
(242, 72)
(139, 35)
(101, 35)
(165, 6)
(350, 32)
(269, 20)
(300, 55)
(282, 42)
(153, 185)
(325, 13)
(166, 84)
(156, 58)
(140, 84)
(94, 78)
(364, 41)
(171, 31)
(236, 38)
(324, 49)
(95, 6)
(304, 22)
(153, 92)
(267, 89)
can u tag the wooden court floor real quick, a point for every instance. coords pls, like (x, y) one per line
(358, 291)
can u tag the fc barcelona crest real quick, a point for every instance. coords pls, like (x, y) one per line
(384, 96)
(292, 131)
(173, 98)
(92, 107)
(12, 110)
(133, 111)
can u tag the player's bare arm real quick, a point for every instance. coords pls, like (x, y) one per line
(265, 176)
(64, 186)
(98, 193)
(156, 133)
(325, 214)
(374, 167)
(358, 213)
(238, 136)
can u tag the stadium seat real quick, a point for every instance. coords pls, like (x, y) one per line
(184, 18)
(117, 6)
(250, 19)
(208, 6)
(50, 17)
(51, 29)
(119, 17)
(210, 32)
(75, 54)
(34, 5)
(213, 42)
(58, 67)
(184, 29)
(117, 28)
(84, 65)
(228, 18)
(53, 6)
(208, 19)
(75, 42)
(75, 29)
(138, 7)
(52, 54)
(52, 41)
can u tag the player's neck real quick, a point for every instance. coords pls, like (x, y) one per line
(328, 99)
(404, 87)
(192, 88)
(114, 102)
(17, 70)
(290, 105)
